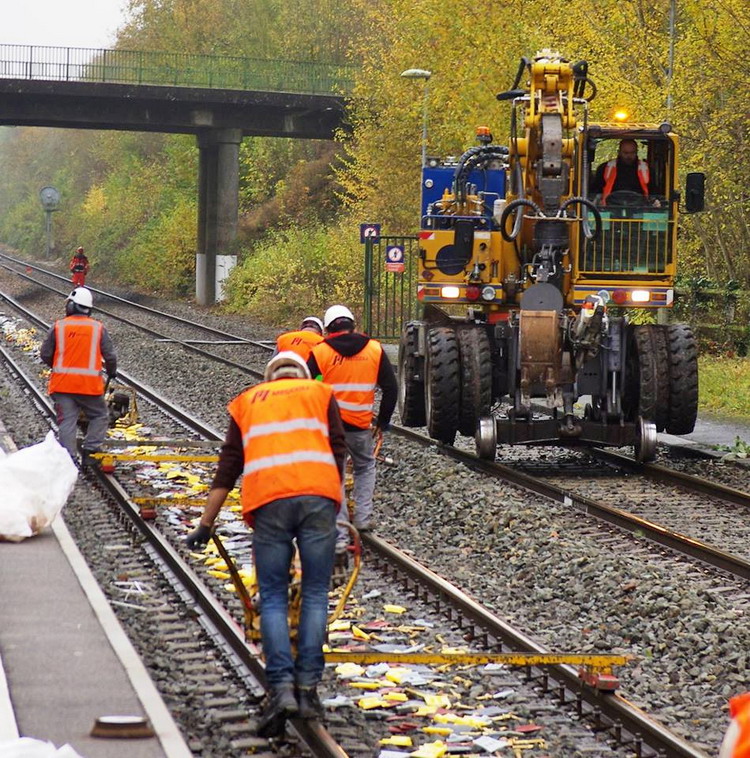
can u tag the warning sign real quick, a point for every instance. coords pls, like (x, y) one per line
(369, 232)
(394, 258)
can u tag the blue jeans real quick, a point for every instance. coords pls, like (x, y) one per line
(311, 520)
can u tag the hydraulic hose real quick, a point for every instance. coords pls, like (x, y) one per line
(587, 233)
(510, 208)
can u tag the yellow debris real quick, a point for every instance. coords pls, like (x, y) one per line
(340, 626)
(371, 701)
(430, 750)
(359, 634)
(437, 701)
(394, 609)
(397, 674)
(374, 685)
(443, 731)
(401, 740)
(219, 574)
(399, 697)
(349, 669)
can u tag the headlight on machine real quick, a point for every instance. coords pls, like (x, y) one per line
(450, 292)
(640, 296)
(488, 293)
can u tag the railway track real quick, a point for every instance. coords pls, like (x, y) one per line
(617, 721)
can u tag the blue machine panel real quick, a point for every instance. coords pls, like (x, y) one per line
(435, 180)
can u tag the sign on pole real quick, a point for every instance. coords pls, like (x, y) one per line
(394, 258)
(369, 233)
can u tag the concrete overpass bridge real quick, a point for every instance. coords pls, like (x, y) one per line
(219, 99)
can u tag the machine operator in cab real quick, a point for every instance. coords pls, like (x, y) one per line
(302, 340)
(286, 441)
(354, 365)
(625, 173)
(75, 349)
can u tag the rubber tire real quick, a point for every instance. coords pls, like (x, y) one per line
(645, 389)
(442, 384)
(476, 379)
(683, 379)
(411, 406)
(661, 359)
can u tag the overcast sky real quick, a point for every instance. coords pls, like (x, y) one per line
(61, 23)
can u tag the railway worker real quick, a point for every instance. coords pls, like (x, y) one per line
(286, 439)
(79, 266)
(75, 348)
(354, 365)
(736, 743)
(302, 340)
(627, 172)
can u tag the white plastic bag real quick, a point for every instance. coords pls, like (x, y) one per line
(36, 482)
(25, 747)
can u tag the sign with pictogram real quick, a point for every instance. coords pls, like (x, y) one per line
(369, 232)
(394, 258)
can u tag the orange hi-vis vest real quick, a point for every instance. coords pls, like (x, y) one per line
(353, 378)
(737, 741)
(301, 342)
(610, 176)
(77, 364)
(286, 443)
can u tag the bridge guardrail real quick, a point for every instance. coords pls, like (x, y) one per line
(77, 64)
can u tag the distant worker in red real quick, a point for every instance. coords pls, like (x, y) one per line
(736, 742)
(79, 265)
(303, 340)
(75, 349)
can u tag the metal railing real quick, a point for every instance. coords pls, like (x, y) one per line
(390, 296)
(638, 244)
(79, 64)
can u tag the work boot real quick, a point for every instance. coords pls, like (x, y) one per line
(281, 706)
(310, 706)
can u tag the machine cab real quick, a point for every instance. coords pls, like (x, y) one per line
(630, 176)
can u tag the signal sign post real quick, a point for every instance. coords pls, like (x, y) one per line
(394, 258)
(369, 236)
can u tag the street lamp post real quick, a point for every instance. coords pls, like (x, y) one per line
(420, 73)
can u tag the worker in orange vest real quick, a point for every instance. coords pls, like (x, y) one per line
(75, 349)
(736, 742)
(304, 339)
(286, 440)
(354, 365)
(79, 266)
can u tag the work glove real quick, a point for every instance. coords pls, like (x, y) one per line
(379, 429)
(199, 536)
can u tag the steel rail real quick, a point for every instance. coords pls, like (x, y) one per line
(624, 714)
(218, 623)
(111, 296)
(680, 479)
(635, 524)
(621, 712)
(187, 345)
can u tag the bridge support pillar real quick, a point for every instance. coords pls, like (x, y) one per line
(218, 210)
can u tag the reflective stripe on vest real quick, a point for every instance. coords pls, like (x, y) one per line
(610, 176)
(301, 342)
(353, 378)
(77, 363)
(285, 439)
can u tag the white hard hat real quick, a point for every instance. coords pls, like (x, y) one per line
(286, 364)
(82, 296)
(336, 311)
(313, 320)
